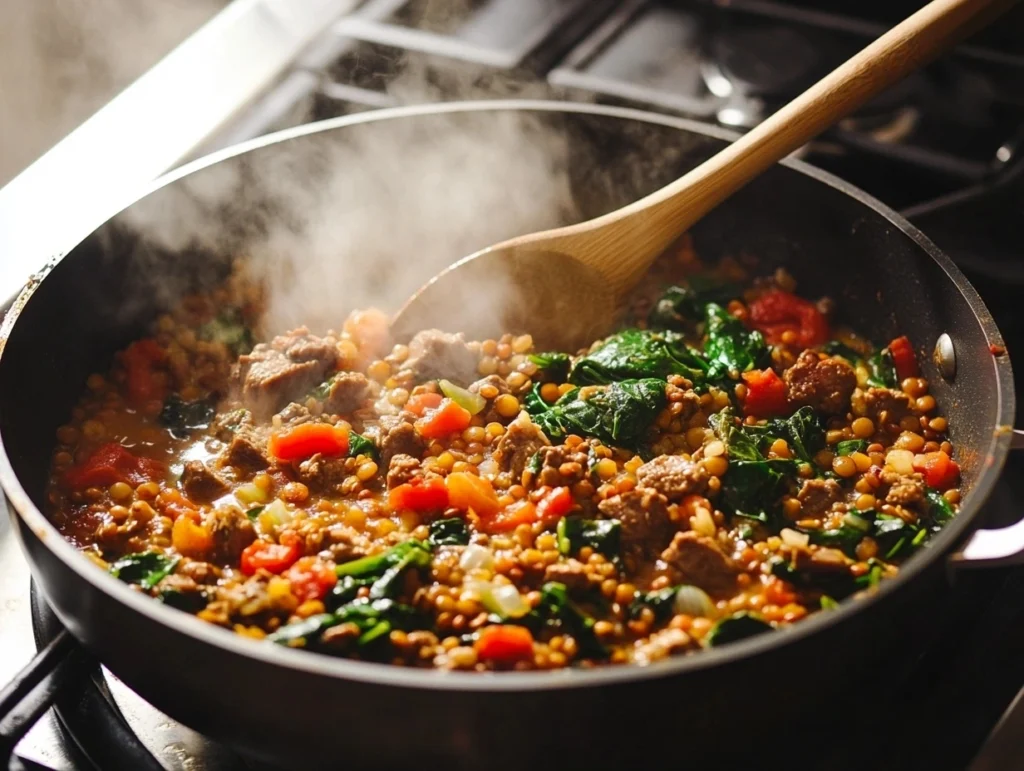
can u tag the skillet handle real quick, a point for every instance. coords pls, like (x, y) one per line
(997, 546)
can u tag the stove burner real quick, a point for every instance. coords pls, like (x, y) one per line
(768, 61)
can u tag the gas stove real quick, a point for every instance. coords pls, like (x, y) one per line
(944, 147)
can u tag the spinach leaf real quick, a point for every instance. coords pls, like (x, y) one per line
(619, 414)
(738, 626)
(360, 445)
(730, 347)
(827, 603)
(740, 445)
(882, 369)
(182, 418)
(836, 348)
(638, 353)
(843, 537)
(448, 532)
(939, 509)
(146, 569)
(347, 589)
(254, 512)
(535, 463)
(681, 304)
(660, 601)
(895, 535)
(555, 366)
(803, 432)
(190, 602)
(850, 446)
(375, 619)
(555, 608)
(230, 329)
(387, 567)
(601, 535)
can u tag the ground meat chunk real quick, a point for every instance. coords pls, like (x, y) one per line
(816, 496)
(294, 414)
(349, 390)
(886, 405)
(397, 436)
(343, 543)
(201, 483)
(561, 466)
(903, 490)
(402, 469)
(323, 474)
(232, 532)
(821, 560)
(199, 571)
(495, 381)
(518, 444)
(673, 477)
(572, 573)
(700, 561)
(824, 384)
(644, 516)
(661, 645)
(276, 373)
(436, 354)
(182, 592)
(245, 453)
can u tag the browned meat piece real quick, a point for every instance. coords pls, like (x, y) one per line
(402, 469)
(689, 399)
(646, 525)
(272, 375)
(662, 644)
(232, 531)
(496, 381)
(673, 477)
(349, 390)
(199, 571)
(817, 496)
(572, 573)
(518, 444)
(397, 436)
(294, 414)
(561, 466)
(436, 354)
(200, 483)
(246, 600)
(824, 384)
(324, 474)
(821, 560)
(227, 425)
(176, 582)
(245, 453)
(182, 592)
(344, 544)
(700, 561)
(886, 405)
(903, 490)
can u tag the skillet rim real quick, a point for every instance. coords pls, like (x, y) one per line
(423, 679)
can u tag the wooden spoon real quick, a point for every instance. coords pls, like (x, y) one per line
(565, 285)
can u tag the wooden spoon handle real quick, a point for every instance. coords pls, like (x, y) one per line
(662, 216)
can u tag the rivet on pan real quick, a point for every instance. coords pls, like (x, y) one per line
(945, 356)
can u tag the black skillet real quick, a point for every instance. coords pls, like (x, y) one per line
(304, 710)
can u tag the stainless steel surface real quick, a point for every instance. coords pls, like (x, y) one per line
(945, 356)
(151, 127)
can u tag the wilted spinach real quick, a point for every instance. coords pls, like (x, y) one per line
(850, 446)
(182, 418)
(374, 618)
(360, 445)
(387, 567)
(554, 366)
(682, 304)
(660, 601)
(619, 414)
(803, 432)
(556, 609)
(730, 347)
(146, 569)
(638, 353)
(601, 535)
(940, 511)
(448, 532)
(230, 329)
(880, 366)
(738, 626)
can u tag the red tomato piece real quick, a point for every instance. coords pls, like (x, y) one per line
(504, 643)
(766, 394)
(111, 463)
(940, 471)
(311, 578)
(554, 505)
(308, 439)
(776, 312)
(420, 403)
(448, 418)
(140, 359)
(903, 358)
(420, 495)
(509, 518)
(274, 557)
(779, 592)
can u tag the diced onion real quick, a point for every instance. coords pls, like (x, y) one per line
(508, 602)
(858, 523)
(475, 557)
(900, 461)
(693, 601)
(468, 400)
(278, 512)
(250, 493)
(703, 523)
(791, 537)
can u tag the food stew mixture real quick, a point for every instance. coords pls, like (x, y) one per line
(729, 463)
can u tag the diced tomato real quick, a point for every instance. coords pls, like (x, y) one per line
(766, 394)
(420, 403)
(308, 439)
(504, 643)
(940, 471)
(274, 557)
(140, 359)
(468, 491)
(111, 463)
(554, 505)
(903, 358)
(509, 518)
(779, 592)
(311, 578)
(776, 312)
(420, 495)
(448, 418)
